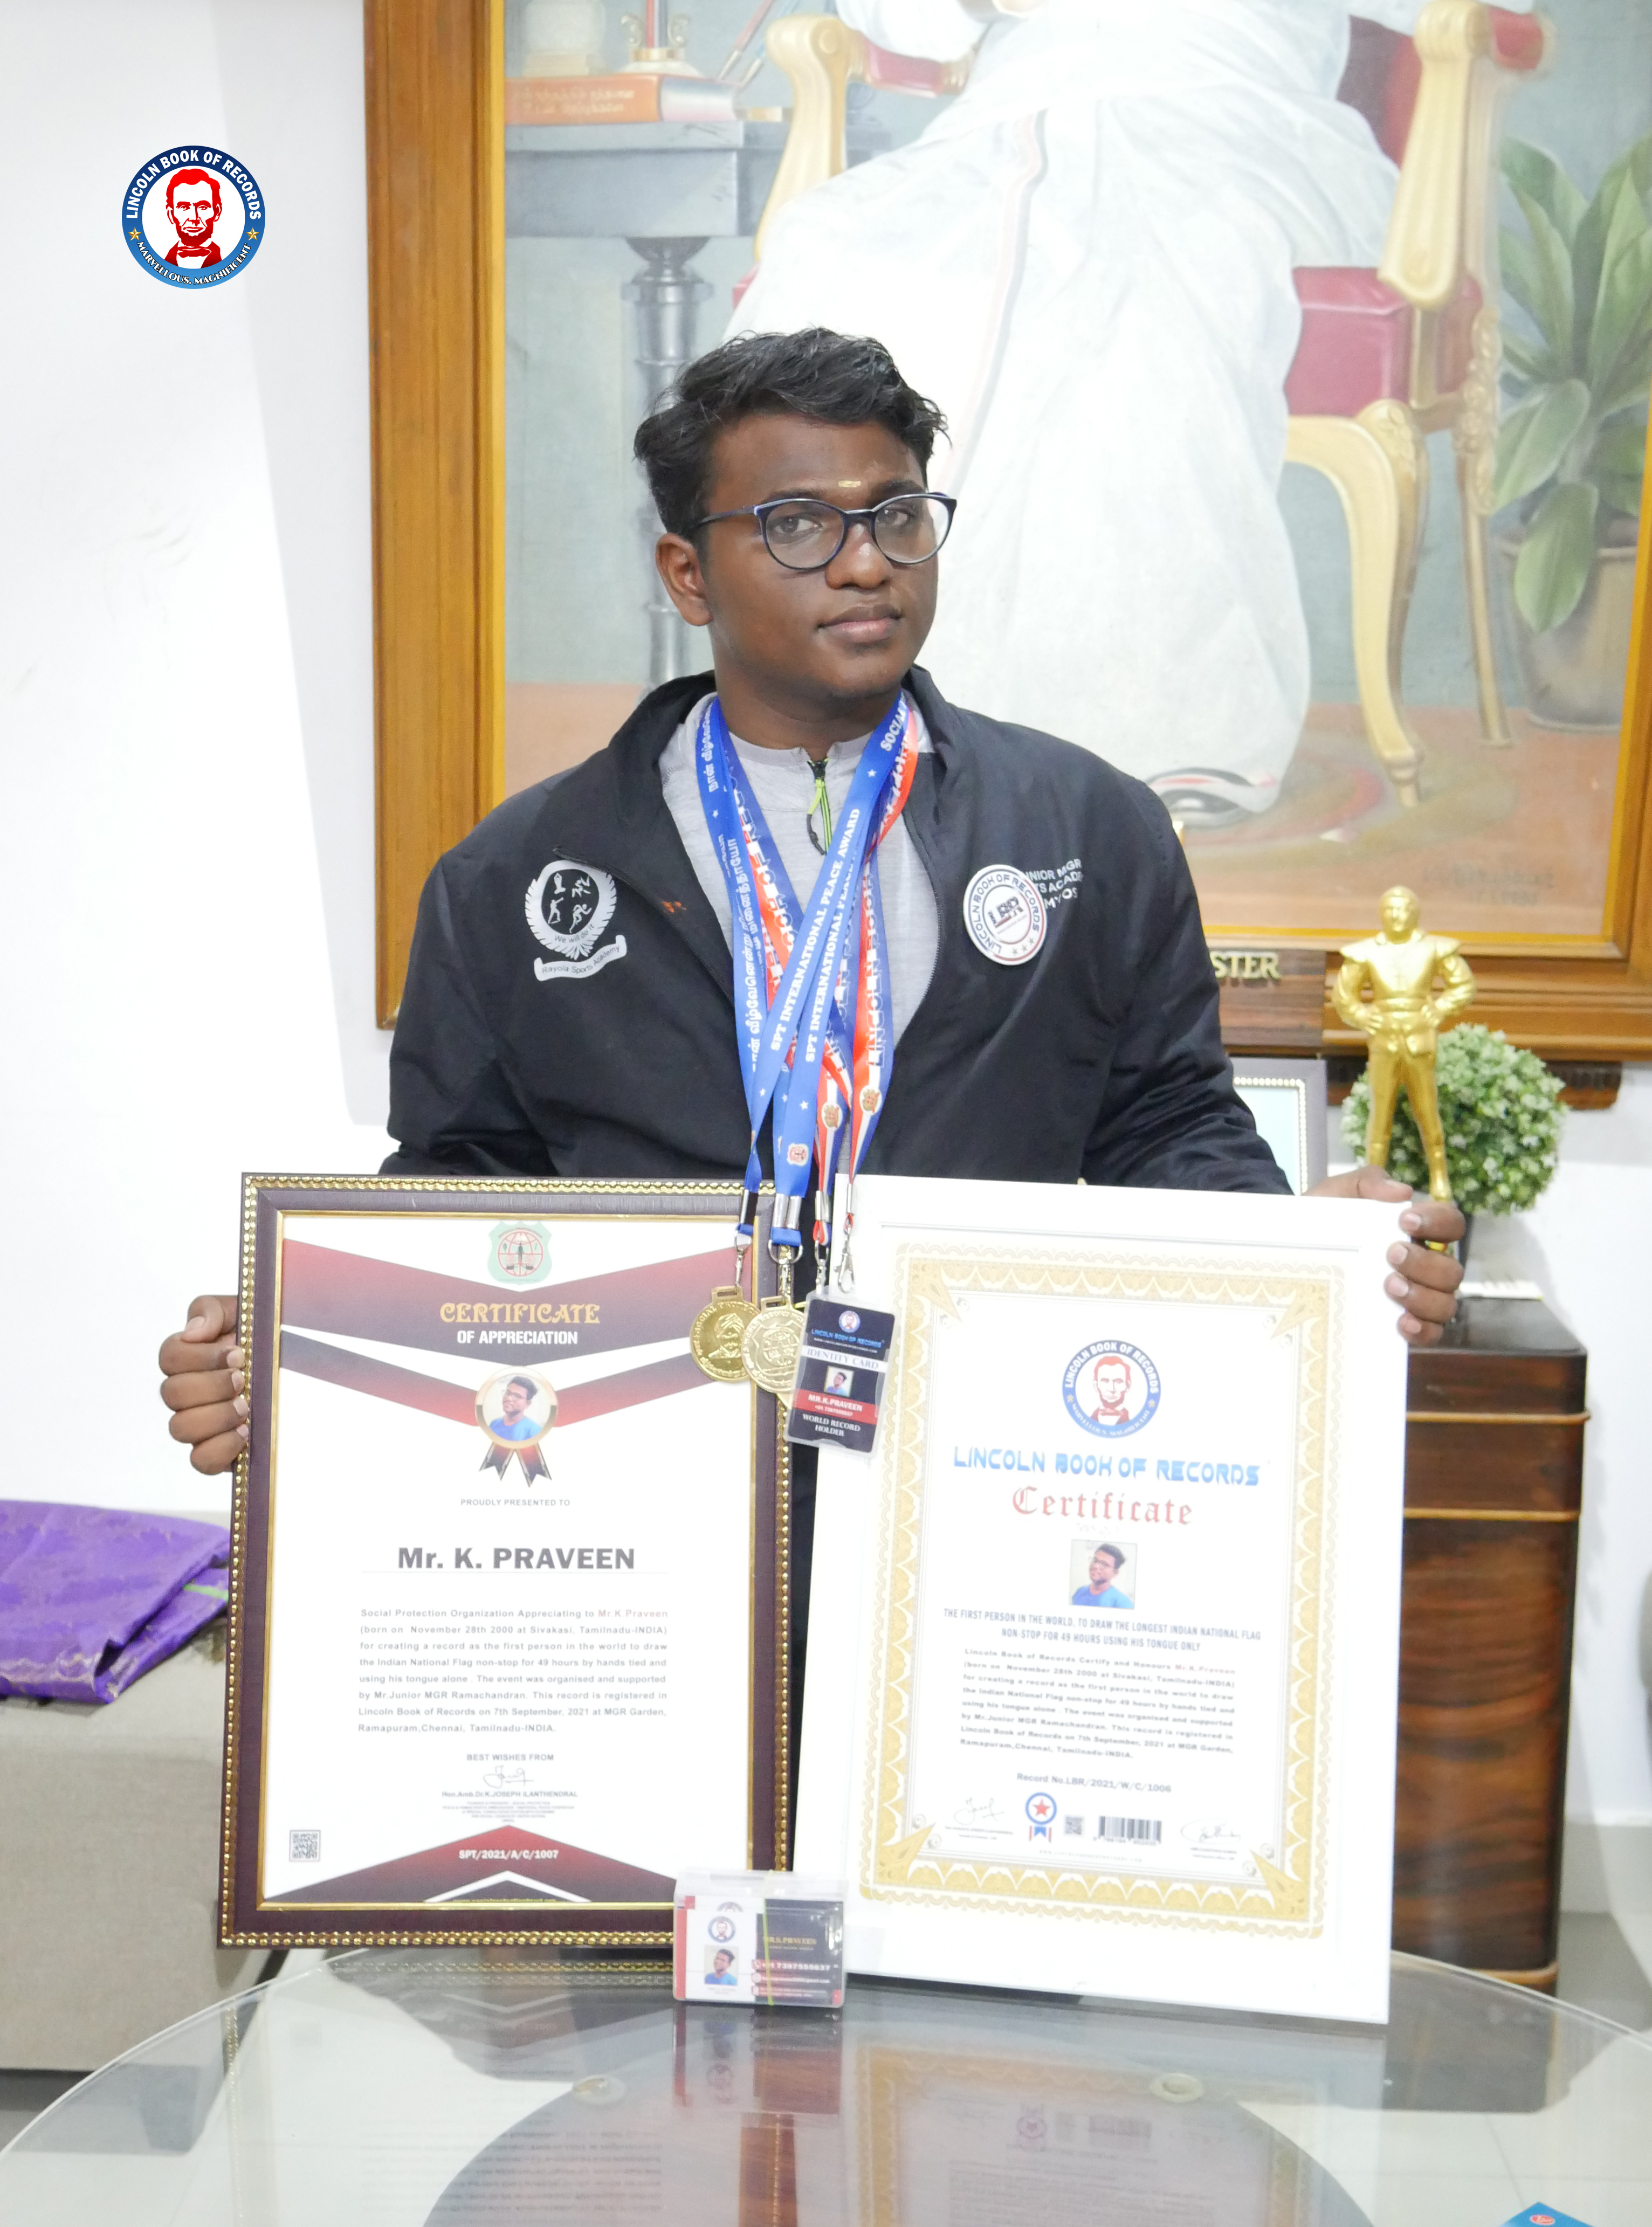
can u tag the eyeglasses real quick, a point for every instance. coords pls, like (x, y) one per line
(805, 536)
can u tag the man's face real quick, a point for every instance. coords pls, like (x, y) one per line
(1112, 1382)
(1103, 1571)
(1398, 914)
(722, 1960)
(804, 641)
(191, 207)
(514, 1402)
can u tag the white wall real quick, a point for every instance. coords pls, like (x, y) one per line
(186, 782)
(185, 702)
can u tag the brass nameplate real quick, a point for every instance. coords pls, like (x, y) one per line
(1246, 966)
(1271, 1000)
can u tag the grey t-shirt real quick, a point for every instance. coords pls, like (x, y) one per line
(783, 783)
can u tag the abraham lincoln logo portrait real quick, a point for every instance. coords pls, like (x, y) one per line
(194, 202)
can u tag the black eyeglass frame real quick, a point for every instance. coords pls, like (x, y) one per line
(760, 511)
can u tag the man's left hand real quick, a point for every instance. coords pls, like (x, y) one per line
(1422, 1284)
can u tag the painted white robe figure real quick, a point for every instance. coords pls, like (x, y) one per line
(1087, 260)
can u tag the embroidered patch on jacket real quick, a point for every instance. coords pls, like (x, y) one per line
(568, 907)
(1005, 915)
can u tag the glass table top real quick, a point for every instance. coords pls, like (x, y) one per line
(447, 2087)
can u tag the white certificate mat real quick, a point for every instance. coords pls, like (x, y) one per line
(504, 1655)
(1103, 1637)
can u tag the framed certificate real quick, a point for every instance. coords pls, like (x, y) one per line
(509, 1618)
(1104, 1633)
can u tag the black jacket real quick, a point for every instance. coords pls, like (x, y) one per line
(1101, 1056)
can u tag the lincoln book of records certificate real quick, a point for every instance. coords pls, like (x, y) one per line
(1104, 1634)
(507, 1636)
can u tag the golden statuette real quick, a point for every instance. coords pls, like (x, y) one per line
(1386, 988)
(715, 1335)
(770, 1345)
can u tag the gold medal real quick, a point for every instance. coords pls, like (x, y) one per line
(717, 1329)
(770, 1348)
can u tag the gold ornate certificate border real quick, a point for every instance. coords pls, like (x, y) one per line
(1288, 1897)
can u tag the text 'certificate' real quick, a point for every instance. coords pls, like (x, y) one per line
(1117, 1714)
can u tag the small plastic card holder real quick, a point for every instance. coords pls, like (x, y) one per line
(758, 1937)
(842, 1370)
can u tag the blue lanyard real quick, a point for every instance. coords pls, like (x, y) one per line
(806, 1014)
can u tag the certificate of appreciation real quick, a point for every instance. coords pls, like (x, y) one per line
(1103, 1637)
(508, 1640)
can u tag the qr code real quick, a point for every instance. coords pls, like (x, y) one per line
(1073, 1826)
(303, 1847)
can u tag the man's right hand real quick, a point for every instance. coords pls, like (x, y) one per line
(203, 1381)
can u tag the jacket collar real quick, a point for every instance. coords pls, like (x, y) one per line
(611, 811)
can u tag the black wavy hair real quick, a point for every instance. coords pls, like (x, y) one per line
(836, 378)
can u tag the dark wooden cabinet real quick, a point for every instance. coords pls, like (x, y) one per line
(1494, 1485)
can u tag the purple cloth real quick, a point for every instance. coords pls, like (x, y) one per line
(92, 1597)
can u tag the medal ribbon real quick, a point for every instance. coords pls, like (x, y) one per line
(804, 1048)
(871, 1032)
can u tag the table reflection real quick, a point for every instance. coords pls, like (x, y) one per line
(440, 2087)
(891, 2120)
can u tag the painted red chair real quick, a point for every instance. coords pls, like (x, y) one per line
(1390, 355)
(1387, 357)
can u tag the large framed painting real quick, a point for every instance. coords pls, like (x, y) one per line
(1295, 359)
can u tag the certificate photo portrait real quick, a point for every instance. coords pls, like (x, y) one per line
(1101, 1574)
(516, 1408)
(720, 1971)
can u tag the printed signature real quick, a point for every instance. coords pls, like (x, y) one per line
(978, 1813)
(1213, 1835)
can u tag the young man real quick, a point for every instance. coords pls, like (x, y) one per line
(514, 1422)
(1102, 1590)
(570, 1004)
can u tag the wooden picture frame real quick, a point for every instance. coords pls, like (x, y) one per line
(436, 233)
(339, 1274)
(1288, 1100)
(436, 161)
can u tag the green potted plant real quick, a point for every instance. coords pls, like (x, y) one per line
(1571, 452)
(1501, 1111)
